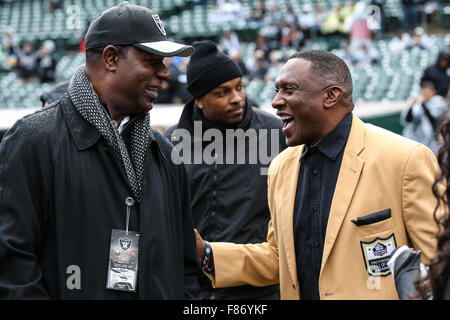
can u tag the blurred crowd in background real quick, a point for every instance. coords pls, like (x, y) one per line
(280, 34)
(349, 28)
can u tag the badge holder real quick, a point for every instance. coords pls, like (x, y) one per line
(123, 257)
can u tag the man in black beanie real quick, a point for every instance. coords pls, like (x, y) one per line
(227, 179)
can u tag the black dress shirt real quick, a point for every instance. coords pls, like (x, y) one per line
(319, 170)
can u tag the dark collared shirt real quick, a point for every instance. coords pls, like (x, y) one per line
(319, 170)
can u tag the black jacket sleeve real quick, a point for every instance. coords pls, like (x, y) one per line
(192, 267)
(22, 205)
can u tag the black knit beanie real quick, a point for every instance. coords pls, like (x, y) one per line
(208, 68)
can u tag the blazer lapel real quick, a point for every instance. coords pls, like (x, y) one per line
(289, 179)
(351, 168)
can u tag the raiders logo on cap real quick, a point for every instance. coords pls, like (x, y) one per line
(159, 23)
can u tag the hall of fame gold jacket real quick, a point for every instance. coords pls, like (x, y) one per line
(383, 176)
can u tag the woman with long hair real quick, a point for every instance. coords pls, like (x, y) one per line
(436, 285)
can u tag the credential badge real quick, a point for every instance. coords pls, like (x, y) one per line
(125, 243)
(159, 24)
(376, 254)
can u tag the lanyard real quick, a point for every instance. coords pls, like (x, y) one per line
(129, 202)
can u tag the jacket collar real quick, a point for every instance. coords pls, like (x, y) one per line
(191, 113)
(83, 133)
(332, 144)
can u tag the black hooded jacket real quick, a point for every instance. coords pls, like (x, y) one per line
(438, 76)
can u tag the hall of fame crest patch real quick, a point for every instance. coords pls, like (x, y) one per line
(377, 253)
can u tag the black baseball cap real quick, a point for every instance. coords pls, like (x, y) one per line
(129, 24)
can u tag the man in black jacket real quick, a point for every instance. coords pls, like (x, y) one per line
(226, 145)
(91, 205)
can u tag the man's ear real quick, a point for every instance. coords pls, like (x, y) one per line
(332, 96)
(110, 56)
(198, 103)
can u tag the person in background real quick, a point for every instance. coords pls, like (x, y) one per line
(419, 40)
(399, 42)
(424, 116)
(27, 62)
(307, 22)
(410, 13)
(228, 197)
(229, 43)
(436, 284)
(438, 74)
(47, 60)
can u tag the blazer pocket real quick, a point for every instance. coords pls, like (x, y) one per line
(373, 218)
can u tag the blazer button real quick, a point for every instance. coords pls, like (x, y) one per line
(316, 243)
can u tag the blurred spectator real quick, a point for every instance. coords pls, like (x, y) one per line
(307, 22)
(229, 43)
(259, 71)
(261, 44)
(334, 24)
(366, 55)
(174, 89)
(47, 59)
(348, 13)
(10, 49)
(399, 42)
(257, 14)
(276, 62)
(54, 5)
(321, 16)
(296, 37)
(438, 74)
(359, 31)
(346, 54)
(271, 28)
(9, 42)
(54, 94)
(27, 62)
(273, 15)
(227, 11)
(290, 16)
(419, 41)
(257, 54)
(410, 13)
(423, 117)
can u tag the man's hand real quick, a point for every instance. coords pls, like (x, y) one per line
(200, 245)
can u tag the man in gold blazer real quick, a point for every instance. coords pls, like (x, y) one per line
(342, 197)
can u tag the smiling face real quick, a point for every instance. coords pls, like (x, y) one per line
(224, 104)
(137, 78)
(300, 103)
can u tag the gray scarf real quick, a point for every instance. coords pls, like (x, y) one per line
(87, 103)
